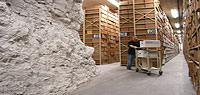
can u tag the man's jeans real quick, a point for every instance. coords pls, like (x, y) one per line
(131, 57)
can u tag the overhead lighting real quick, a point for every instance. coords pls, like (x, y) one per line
(114, 2)
(174, 13)
(177, 25)
(179, 31)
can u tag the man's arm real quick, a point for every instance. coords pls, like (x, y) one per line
(132, 46)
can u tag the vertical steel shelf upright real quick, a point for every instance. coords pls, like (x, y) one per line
(100, 53)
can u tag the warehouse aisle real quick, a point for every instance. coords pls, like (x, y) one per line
(119, 81)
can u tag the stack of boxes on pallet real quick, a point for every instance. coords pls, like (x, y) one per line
(101, 31)
(146, 20)
(192, 39)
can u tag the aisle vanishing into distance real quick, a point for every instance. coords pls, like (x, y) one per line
(119, 81)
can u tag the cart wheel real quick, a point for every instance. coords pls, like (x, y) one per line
(148, 73)
(137, 70)
(160, 72)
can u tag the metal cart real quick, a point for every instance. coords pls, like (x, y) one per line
(144, 61)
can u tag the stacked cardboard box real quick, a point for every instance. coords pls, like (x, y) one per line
(192, 40)
(101, 31)
(146, 20)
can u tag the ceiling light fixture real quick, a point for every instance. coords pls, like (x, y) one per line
(114, 2)
(177, 25)
(174, 13)
(179, 31)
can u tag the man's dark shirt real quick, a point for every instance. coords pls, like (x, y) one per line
(130, 49)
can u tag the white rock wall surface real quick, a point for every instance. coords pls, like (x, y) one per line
(40, 50)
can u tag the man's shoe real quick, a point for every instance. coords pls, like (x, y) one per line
(129, 69)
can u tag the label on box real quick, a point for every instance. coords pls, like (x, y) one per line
(96, 35)
(89, 32)
(122, 34)
(151, 31)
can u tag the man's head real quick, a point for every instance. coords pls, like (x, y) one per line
(134, 38)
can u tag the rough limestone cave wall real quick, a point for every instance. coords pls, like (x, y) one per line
(40, 50)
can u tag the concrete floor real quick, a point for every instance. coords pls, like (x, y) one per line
(116, 80)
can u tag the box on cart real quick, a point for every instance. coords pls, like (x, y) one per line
(150, 43)
(144, 53)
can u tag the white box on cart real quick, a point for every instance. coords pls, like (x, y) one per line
(143, 53)
(150, 43)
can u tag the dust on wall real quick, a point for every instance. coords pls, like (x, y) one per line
(40, 50)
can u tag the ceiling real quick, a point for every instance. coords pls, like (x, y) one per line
(166, 5)
(91, 3)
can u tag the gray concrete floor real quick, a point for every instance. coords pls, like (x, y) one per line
(116, 80)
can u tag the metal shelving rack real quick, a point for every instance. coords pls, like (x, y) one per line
(192, 40)
(146, 20)
(100, 30)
